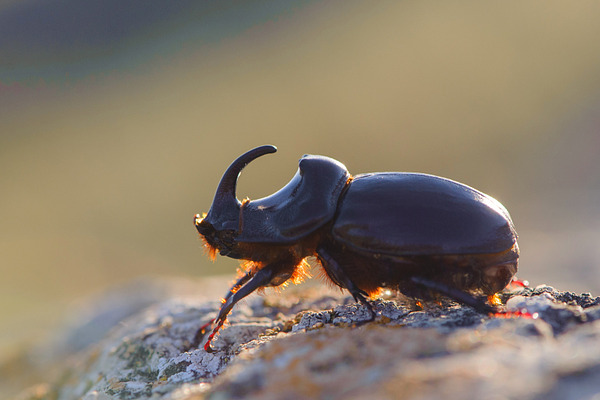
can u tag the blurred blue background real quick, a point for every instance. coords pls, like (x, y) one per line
(118, 118)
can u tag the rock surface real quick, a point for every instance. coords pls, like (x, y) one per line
(305, 343)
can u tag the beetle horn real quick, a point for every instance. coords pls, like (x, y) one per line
(225, 201)
(228, 183)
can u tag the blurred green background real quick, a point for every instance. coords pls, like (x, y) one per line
(117, 120)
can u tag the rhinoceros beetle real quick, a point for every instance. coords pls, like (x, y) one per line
(412, 232)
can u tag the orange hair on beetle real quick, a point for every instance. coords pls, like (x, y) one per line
(210, 251)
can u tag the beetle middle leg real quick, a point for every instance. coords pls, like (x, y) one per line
(339, 277)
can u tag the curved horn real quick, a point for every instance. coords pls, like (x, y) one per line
(224, 213)
(229, 180)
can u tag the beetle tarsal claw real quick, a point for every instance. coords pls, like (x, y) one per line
(208, 349)
(201, 332)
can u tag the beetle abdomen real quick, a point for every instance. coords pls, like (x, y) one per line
(419, 214)
(475, 273)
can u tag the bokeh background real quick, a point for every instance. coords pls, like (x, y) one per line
(118, 118)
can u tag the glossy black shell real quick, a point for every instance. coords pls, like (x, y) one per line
(418, 214)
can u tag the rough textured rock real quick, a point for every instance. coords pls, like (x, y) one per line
(305, 343)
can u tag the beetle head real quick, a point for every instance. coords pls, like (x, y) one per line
(221, 225)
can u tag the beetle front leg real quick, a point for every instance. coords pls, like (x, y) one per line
(339, 277)
(236, 286)
(260, 279)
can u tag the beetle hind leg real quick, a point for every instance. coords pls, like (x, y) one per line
(455, 294)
